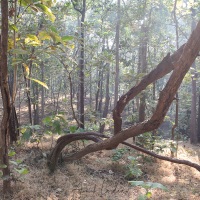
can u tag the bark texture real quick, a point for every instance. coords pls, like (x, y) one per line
(4, 131)
(81, 95)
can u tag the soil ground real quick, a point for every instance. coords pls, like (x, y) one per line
(97, 177)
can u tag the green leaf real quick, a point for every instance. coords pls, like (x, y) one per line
(19, 51)
(48, 132)
(26, 69)
(2, 166)
(142, 197)
(57, 127)
(23, 130)
(46, 10)
(44, 35)
(55, 37)
(148, 195)
(158, 185)
(16, 61)
(39, 82)
(11, 153)
(136, 183)
(132, 158)
(32, 40)
(13, 27)
(25, 2)
(47, 120)
(13, 162)
(147, 184)
(35, 127)
(72, 129)
(22, 171)
(27, 134)
(67, 38)
(19, 161)
(52, 28)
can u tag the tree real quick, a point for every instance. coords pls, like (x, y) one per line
(176, 98)
(4, 131)
(82, 11)
(117, 53)
(142, 68)
(193, 128)
(179, 62)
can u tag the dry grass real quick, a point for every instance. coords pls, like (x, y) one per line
(91, 177)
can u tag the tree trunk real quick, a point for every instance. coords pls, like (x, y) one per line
(179, 63)
(35, 104)
(42, 90)
(193, 128)
(105, 111)
(168, 64)
(4, 131)
(117, 55)
(81, 102)
(176, 99)
(98, 89)
(198, 133)
(27, 83)
(100, 95)
(14, 125)
(142, 68)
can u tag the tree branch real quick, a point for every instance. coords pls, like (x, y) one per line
(180, 61)
(66, 139)
(75, 8)
(173, 160)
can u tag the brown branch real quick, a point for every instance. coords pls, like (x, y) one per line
(180, 61)
(182, 65)
(161, 70)
(173, 160)
(66, 139)
(71, 100)
(75, 8)
(168, 64)
(69, 136)
(70, 86)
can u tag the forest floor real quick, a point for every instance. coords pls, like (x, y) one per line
(97, 177)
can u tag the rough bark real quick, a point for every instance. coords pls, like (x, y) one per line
(180, 63)
(82, 11)
(4, 131)
(193, 125)
(14, 125)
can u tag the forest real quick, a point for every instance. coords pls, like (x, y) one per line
(100, 100)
